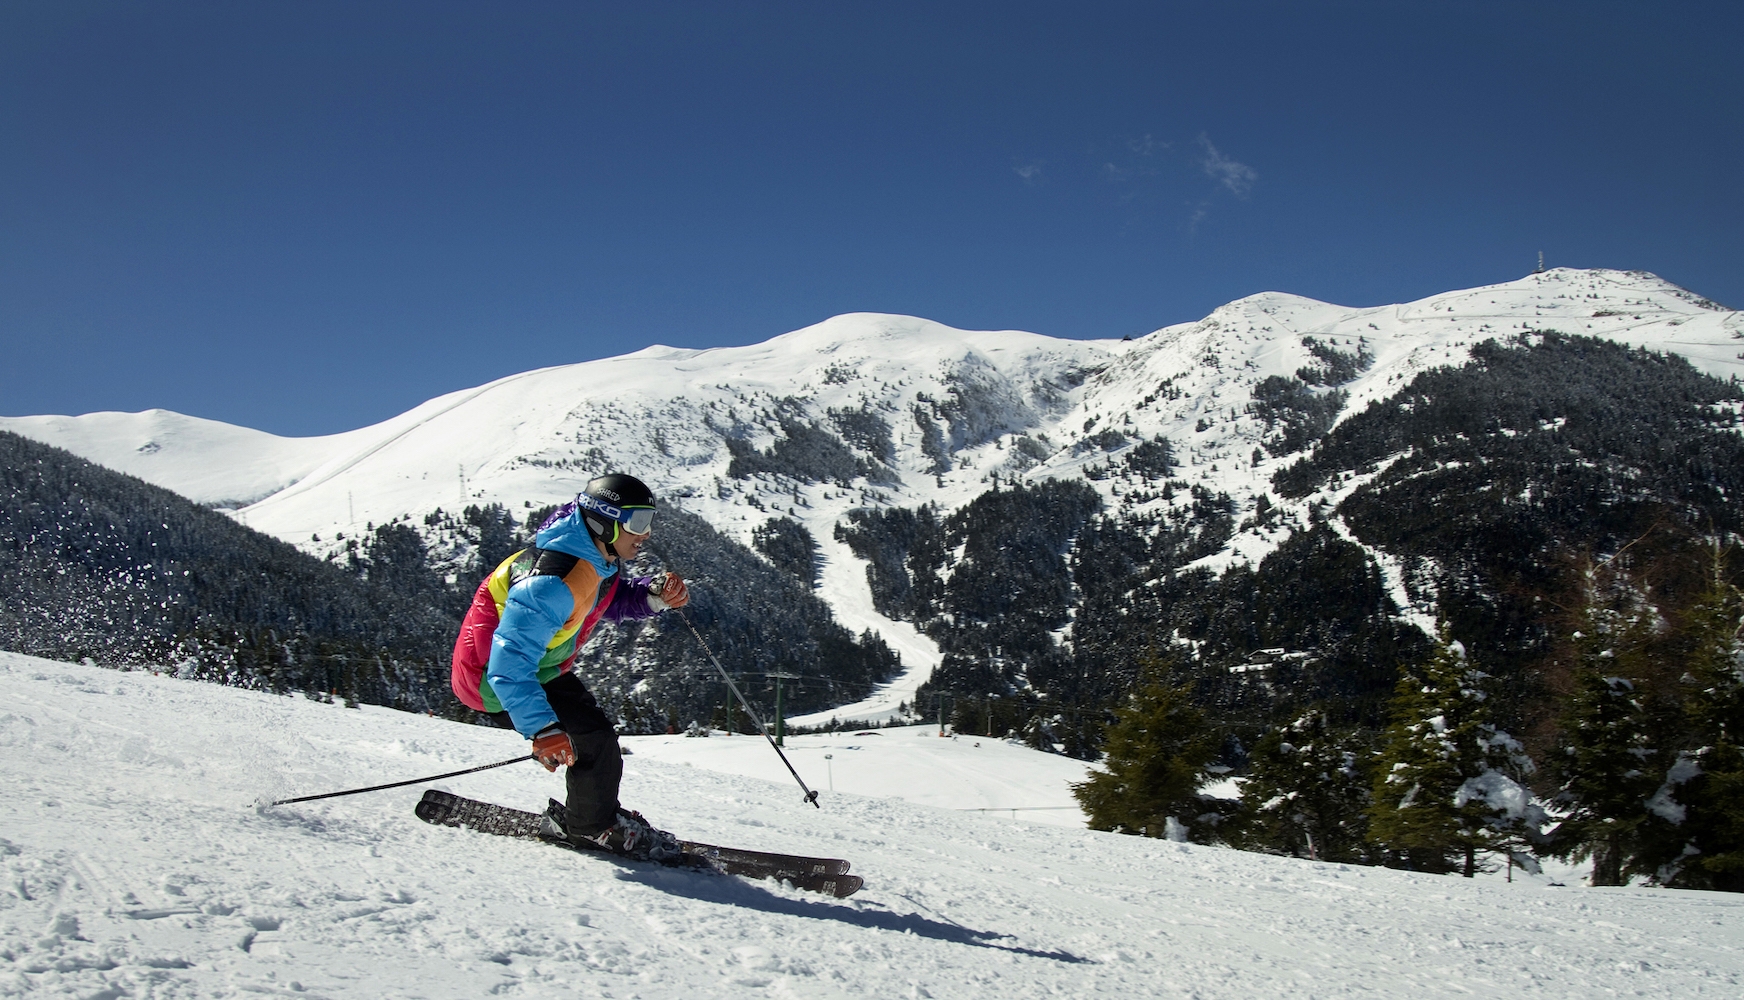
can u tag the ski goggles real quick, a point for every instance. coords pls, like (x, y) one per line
(636, 520)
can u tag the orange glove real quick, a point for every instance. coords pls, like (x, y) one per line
(551, 747)
(668, 592)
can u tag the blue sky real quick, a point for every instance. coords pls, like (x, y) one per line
(306, 217)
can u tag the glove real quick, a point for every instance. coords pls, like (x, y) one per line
(668, 591)
(551, 747)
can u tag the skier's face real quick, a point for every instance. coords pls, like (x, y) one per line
(628, 545)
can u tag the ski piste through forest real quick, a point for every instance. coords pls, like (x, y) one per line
(1202, 417)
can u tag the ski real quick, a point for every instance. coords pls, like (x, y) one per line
(796, 863)
(826, 875)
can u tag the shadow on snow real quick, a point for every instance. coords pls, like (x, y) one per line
(735, 891)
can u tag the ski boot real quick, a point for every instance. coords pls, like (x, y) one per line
(629, 836)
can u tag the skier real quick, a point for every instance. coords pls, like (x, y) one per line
(517, 646)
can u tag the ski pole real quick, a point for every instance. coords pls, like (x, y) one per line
(810, 796)
(397, 784)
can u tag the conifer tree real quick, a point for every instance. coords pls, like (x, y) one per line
(1715, 626)
(1309, 785)
(1611, 761)
(1158, 753)
(1447, 784)
(1621, 773)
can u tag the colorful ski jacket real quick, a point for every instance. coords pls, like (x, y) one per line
(531, 614)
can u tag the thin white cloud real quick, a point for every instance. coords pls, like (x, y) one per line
(1030, 172)
(1149, 145)
(1120, 174)
(1237, 178)
(1200, 211)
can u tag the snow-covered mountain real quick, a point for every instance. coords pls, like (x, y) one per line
(207, 461)
(931, 415)
(138, 864)
(532, 438)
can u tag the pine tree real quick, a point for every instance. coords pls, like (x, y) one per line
(1610, 762)
(1715, 625)
(1309, 786)
(1619, 772)
(1447, 784)
(1158, 752)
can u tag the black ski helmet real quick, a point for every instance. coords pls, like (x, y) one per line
(614, 501)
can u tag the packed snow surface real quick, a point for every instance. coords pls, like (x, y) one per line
(972, 773)
(138, 864)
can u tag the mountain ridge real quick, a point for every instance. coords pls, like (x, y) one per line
(797, 426)
(110, 438)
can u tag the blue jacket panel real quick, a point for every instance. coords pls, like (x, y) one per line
(536, 608)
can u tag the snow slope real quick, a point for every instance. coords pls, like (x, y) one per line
(136, 865)
(912, 763)
(207, 461)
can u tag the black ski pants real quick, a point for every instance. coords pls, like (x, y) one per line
(599, 764)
